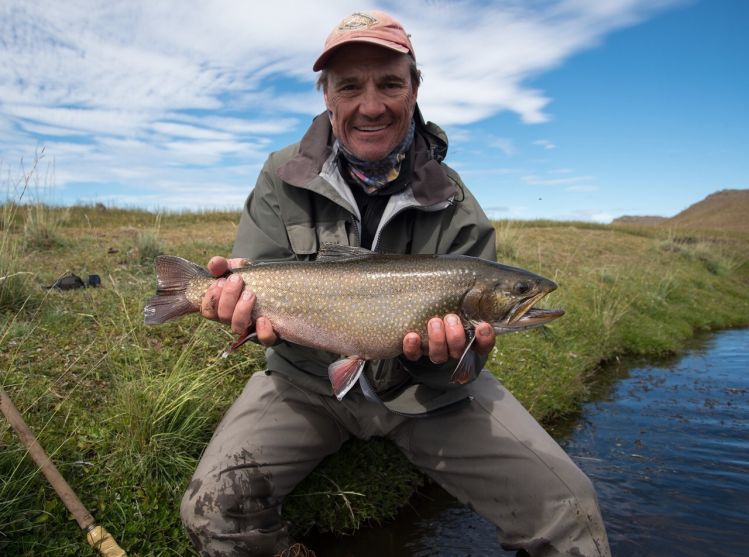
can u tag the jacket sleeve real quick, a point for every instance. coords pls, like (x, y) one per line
(261, 234)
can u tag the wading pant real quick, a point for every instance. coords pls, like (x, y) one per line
(490, 454)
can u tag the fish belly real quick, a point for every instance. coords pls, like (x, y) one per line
(353, 314)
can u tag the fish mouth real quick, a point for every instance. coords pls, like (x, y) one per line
(525, 316)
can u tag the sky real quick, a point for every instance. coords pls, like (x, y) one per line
(555, 109)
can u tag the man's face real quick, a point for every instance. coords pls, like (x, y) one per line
(371, 99)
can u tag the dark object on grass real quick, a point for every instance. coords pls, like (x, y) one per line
(71, 282)
(68, 282)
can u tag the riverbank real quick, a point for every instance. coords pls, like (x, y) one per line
(125, 409)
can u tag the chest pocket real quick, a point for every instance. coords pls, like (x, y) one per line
(305, 239)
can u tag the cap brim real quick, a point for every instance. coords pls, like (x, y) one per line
(327, 53)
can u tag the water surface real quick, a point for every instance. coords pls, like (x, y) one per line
(666, 445)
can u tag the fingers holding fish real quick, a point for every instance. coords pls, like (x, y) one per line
(241, 318)
(265, 333)
(237, 262)
(455, 336)
(412, 347)
(446, 339)
(485, 339)
(218, 265)
(210, 300)
(437, 342)
(230, 293)
(209, 303)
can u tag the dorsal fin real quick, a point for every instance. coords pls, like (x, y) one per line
(330, 252)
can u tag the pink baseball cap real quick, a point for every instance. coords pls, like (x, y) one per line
(366, 27)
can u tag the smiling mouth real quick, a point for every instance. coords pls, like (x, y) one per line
(371, 129)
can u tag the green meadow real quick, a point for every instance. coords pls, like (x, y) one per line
(125, 409)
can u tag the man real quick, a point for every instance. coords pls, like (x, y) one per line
(369, 172)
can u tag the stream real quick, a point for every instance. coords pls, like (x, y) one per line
(666, 444)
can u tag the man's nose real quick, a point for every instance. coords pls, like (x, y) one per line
(371, 103)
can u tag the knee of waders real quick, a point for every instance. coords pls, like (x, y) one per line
(234, 513)
(584, 491)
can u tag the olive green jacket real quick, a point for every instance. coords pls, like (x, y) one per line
(301, 201)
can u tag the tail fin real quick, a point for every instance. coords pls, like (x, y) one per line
(173, 275)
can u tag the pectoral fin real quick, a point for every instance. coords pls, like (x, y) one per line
(344, 373)
(250, 336)
(465, 371)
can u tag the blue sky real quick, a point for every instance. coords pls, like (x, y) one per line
(559, 109)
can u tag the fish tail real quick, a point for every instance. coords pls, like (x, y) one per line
(173, 275)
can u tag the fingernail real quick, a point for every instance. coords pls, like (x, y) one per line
(234, 277)
(247, 295)
(436, 325)
(485, 332)
(220, 282)
(451, 320)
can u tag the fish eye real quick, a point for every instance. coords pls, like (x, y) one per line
(522, 287)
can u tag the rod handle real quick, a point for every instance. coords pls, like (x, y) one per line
(104, 543)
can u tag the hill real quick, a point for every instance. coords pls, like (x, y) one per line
(722, 210)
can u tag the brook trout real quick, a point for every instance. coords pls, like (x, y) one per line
(361, 304)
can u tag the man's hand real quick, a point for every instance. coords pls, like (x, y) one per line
(447, 339)
(229, 302)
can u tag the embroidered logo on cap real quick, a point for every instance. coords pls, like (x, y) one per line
(357, 21)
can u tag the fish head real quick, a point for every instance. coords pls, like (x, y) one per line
(505, 296)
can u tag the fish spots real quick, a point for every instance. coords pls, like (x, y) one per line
(365, 305)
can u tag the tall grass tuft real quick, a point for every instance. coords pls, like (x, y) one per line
(163, 409)
(41, 229)
(17, 500)
(148, 242)
(610, 302)
(507, 239)
(16, 290)
(161, 419)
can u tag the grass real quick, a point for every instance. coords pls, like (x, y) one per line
(148, 243)
(126, 409)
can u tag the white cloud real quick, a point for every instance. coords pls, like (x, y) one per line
(534, 180)
(129, 92)
(505, 145)
(592, 215)
(544, 143)
(582, 188)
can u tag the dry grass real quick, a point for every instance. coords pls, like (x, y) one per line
(138, 403)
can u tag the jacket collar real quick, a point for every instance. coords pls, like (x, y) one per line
(430, 183)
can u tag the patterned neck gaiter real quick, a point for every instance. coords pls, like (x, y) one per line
(375, 175)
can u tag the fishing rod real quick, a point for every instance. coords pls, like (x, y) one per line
(96, 535)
